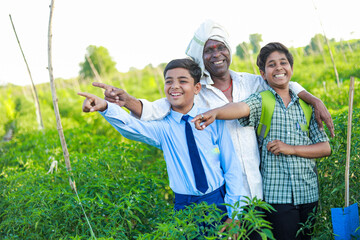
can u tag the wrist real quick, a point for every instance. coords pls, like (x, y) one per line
(293, 150)
(130, 102)
(105, 106)
(316, 102)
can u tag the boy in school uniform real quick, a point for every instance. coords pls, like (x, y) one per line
(288, 150)
(202, 165)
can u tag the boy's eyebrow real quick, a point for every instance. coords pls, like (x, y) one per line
(273, 60)
(182, 77)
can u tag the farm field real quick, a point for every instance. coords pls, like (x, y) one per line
(122, 185)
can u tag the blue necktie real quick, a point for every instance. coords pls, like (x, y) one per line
(199, 173)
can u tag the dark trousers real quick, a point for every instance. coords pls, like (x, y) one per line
(215, 197)
(287, 218)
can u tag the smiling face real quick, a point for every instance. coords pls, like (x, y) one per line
(180, 89)
(216, 58)
(278, 70)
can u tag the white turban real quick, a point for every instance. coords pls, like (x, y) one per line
(207, 30)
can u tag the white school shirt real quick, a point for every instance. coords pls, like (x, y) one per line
(244, 138)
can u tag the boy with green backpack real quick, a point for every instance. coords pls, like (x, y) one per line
(289, 139)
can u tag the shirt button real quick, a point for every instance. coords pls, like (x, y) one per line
(288, 133)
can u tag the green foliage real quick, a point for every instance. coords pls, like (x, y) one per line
(123, 188)
(255, 40)
(202, 221)
(316, 45)
(332, 174)
(101, 60)
(244, 49)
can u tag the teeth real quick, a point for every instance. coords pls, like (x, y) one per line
(175, 94)
(219, 62)
(280, 75)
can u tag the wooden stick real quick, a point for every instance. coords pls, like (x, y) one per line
(348, 149)
(55, 100)
(34, 92)
(330, 52)
(93, 69)
(58, 120)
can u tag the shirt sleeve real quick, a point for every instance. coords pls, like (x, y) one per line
(296, 87)
(254, 83)
(130, 127)
(315, 134)
(254, 102)
(232, 169)
(155, 110)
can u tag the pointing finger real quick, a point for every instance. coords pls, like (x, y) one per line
(87, 95)
(101, 85)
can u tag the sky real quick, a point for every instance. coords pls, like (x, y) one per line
(139, 32)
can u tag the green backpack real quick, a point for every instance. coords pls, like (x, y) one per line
(267, 110)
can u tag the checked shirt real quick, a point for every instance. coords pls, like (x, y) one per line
(286, 178)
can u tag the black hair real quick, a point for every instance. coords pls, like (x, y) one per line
(270, 48)
(188, 64)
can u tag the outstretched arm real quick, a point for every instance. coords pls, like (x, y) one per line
(226, 112)
(317, 150)
(121, 97)
(321, 112)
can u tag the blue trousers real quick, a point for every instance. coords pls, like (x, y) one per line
(215, 197)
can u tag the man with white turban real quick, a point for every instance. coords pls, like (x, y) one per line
(210, 48)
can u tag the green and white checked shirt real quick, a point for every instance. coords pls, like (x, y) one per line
(286, 178)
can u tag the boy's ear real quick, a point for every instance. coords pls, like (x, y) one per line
(197, 88)
(262, 73)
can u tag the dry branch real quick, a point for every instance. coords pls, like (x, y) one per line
(34, 92)
(93, 69)
(55, 100)
(58, 119)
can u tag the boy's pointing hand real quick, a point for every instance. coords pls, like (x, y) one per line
(93, 103)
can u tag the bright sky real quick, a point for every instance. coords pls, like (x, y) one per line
(140, 32)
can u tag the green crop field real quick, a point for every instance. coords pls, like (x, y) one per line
(122, 185)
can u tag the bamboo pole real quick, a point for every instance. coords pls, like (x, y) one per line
(347, 168)
(34, 92)
(93, 69)
(58, 119)
(55, 101)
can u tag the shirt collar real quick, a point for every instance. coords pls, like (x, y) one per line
(293, 96)
(177, 116)
(207, 80)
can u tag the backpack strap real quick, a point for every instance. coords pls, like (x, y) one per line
(307, 112)
(267, 110)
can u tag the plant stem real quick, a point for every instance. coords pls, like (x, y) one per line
(34, 92)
